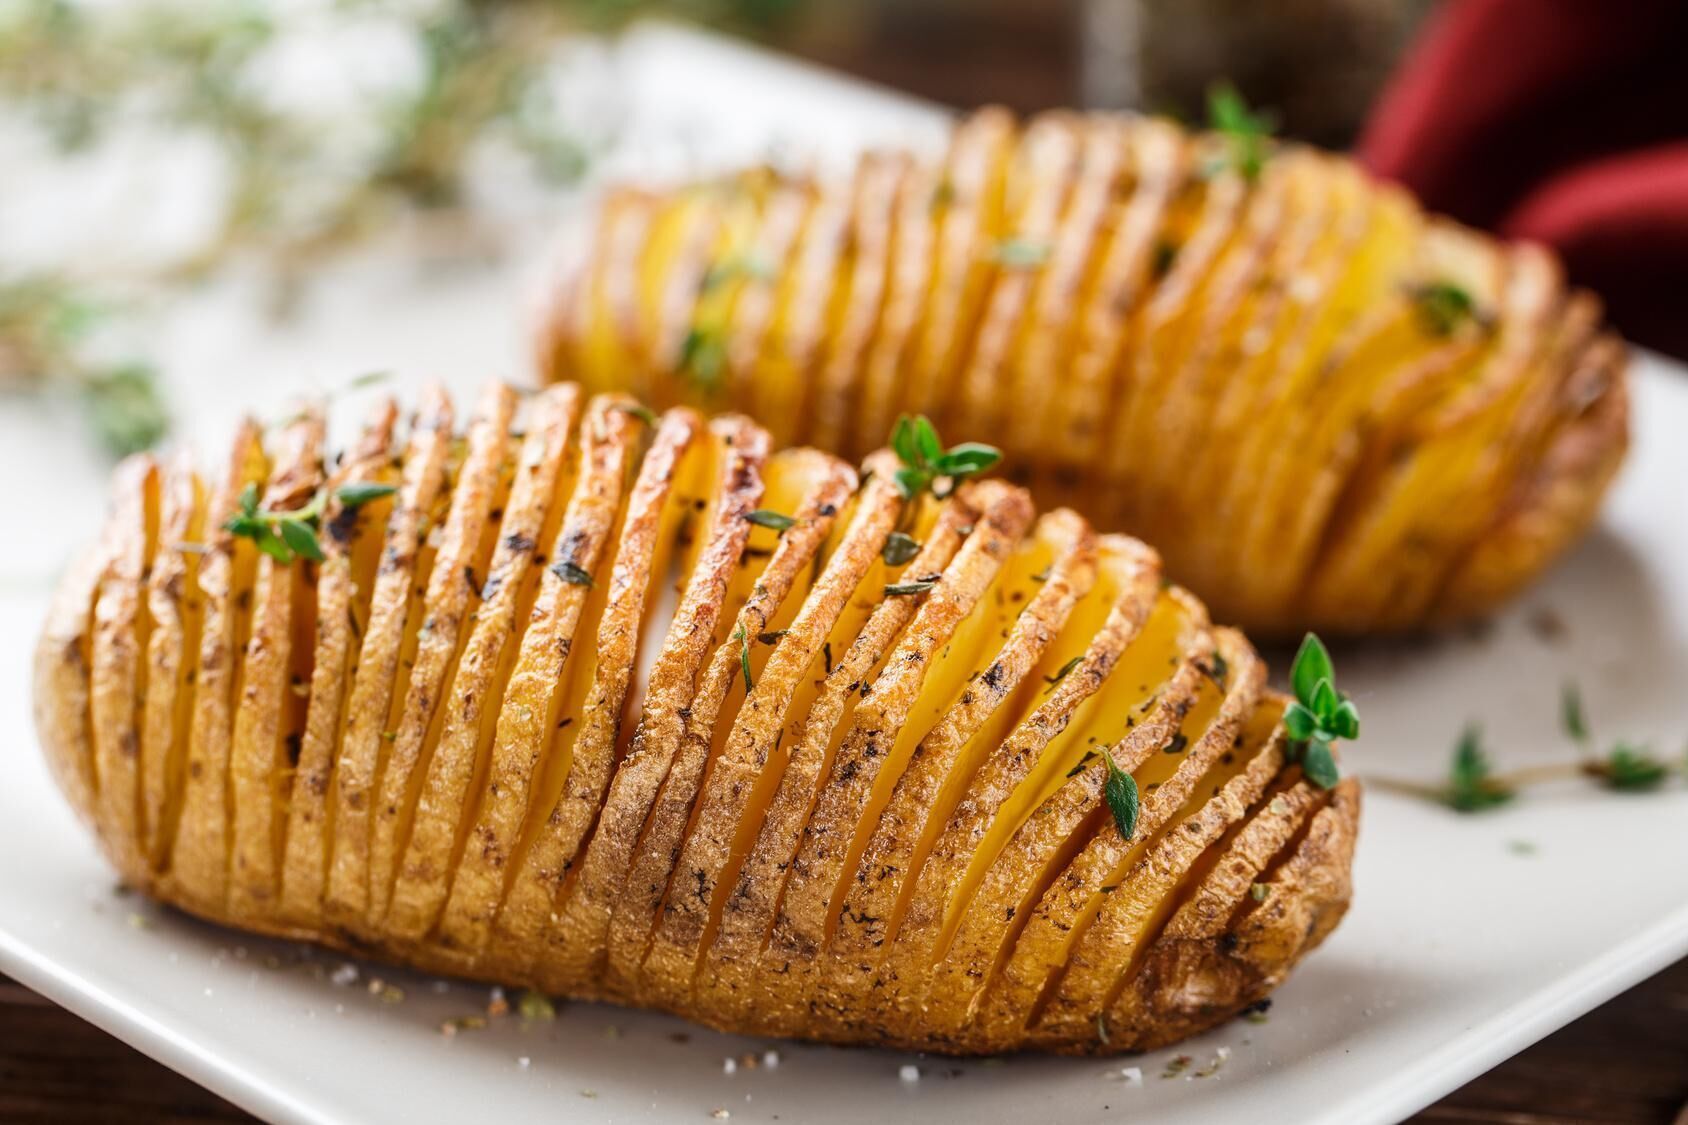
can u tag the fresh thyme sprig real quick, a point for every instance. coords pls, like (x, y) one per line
(292, 533)
(1247, 135)
(1472, 785)
(1319, 715)
(925, 461)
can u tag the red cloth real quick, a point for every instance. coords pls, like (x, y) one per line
(1563, 121)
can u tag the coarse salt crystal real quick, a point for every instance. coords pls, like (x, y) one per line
(1133, 1075)
(729, 1066)
(770, 1059)
(524, 1062)
(908, 1072)
(346, 973)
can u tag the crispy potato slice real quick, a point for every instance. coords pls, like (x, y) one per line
(466, 541)
(878, 187)
(969, 223)
(266, 739)
(1040, 178)
(539, 683)
(1550, 509)
(761, 278)
(345, 583)
(730, 981)
(196, 875)
(587, 744)
(1109, 925)
(1004, 877)
(979, 719)
(173, 605)
(1032, 418)
(878, 386)
(63, 655)
(429, 846)
(807, 307)
(928, 667)
(375, 693)
(117, 668)
(717, 786)
(1129, 269)
(577, 939)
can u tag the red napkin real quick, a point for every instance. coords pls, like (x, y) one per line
(1562, 121)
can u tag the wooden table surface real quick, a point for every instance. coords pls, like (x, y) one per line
(1625, 1063)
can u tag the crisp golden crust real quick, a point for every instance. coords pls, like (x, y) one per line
(858, 797)
(1327, 409)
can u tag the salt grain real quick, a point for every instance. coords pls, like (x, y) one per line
(770, 1059)
(346, 973)
(908, 1072)
(524, 1062)
(1133, 1075)
(729, 1066)
(719, 1114)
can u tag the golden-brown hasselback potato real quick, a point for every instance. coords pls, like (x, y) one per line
(399, 702)
(1327, 409)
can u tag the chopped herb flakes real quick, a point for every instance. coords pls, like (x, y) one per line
(899, 549)
(774, 521)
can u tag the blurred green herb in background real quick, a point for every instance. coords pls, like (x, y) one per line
(80, 73)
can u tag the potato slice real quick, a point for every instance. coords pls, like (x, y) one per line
(196, 872)
(1030, 416)
(928, 667)
(466, 540)
(861, 299)
(577, 939)
(345, 583)
(430, 845)
(730, 980)
(988, 708)
(375, 693)
(587, 744)
(268, 721)
(1040, 178)
(969, 224)
(173, 604)
(878, 385)
(709, 809)
(63, 655)
(540, 681)
(117, 667)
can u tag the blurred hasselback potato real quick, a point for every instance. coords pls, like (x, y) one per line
(1326, 409)
(632, 707)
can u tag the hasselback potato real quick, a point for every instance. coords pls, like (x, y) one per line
(399, 702)
(1325, 408)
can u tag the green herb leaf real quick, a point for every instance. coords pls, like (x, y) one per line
(1312, 664)
(639, 410)
(1472, 786)
(744, 657)
(1632, 769)
(905, 589)
(1061, 673)
(572, 573)
(1020, 253)
(774, 521)
(1247, 134)
(301, 539)
(1571, 713)
(1444, 306)
(924, 459)
(703, 358)
(1120, 790)
(1319, 764)
(1299, 722)
(362, 492)
(1259, 891)
(899, 549)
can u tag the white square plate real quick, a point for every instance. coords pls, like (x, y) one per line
(1469, 937)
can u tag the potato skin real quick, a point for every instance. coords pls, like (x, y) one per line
(857, 798)
(1254, 374)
